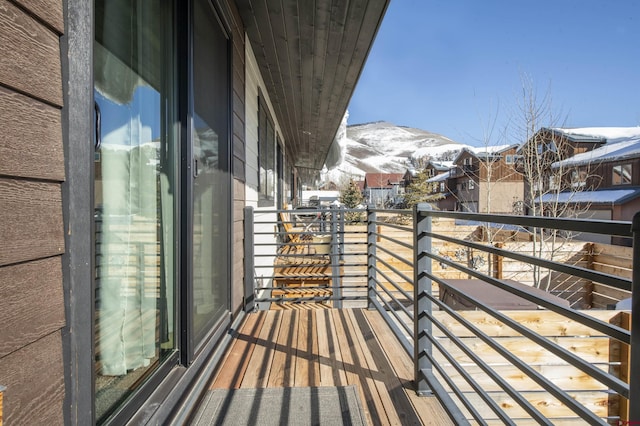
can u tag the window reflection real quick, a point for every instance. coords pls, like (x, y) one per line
(134, 201)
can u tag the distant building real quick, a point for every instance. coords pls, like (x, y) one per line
(485, 180)
(383, 189)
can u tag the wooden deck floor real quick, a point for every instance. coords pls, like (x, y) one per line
(329, 347)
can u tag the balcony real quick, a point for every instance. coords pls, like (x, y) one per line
(436, 318)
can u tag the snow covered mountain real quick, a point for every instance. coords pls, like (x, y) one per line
(383, 147)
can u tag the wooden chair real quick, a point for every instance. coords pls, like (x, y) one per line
(297, 265)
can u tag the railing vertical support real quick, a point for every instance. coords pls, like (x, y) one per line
(634, 359)
(249, 267)
(335, 260)
(341, 232)
(422, 304)
(371, 258)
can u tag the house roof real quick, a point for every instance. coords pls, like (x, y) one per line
(311, 54)
(382, 180)
(618, 151)
(441, 165)
(441, 177)
(603, 196)
(485, 151)
(598, 134)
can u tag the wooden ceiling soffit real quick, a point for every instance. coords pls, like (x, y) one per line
(311, 54)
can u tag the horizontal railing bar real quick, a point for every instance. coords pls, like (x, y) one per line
(610, 330)
(593, 226)
(395, 299)
(318, 287)
(393, 312)
(396, 256)
(467, 377)
(445, 400)
(405, 293)
(308, 298)
(577, 271)
(587, 367)
(499, 380)
(404, 342)
(395, 270)
(547, 384)
(402, 212)
(394, 225)
(393, 240)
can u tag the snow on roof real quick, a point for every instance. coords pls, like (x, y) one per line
(628, 148)
(485, 151)
(611, 134)
(606, 196)
(441, 177)
(442, 165)
(496, 149)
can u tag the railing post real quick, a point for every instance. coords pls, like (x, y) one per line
(341, 232)
(335, 260)
(371, 258)
(249, 267)
(634, 359)
(422, 304)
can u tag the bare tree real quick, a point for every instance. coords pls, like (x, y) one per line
(551, 185)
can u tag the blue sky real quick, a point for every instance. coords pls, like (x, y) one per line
(452, 66)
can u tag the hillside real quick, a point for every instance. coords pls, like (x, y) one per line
(383, 147)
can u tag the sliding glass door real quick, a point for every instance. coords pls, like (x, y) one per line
(162, 192)
(211, 177)
(134, 192)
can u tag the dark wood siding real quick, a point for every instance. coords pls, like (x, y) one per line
(238, 64)
(602, 174)
(31, 224)
(239, 156)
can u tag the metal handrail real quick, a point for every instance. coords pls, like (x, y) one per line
(406, 303)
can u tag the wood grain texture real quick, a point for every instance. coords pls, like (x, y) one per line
(49, 11)
(34, 377)
(30, 60)
(30, 220)
(31, 138)
(31, 303)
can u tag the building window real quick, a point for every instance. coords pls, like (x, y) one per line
(578, 178)
(266, 155)
(472, 184)
(441, 186)
(554, 182)
(622, 174)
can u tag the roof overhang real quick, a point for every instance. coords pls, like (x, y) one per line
(311, 54)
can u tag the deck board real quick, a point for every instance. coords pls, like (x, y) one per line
(329, 347)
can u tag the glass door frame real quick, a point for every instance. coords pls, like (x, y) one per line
(187, 351)
(189, 348)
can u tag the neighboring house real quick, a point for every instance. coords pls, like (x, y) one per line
(549, 146)
(133, 136)
(408, 177)
(603, 183)
(383, 189)
(442, 182)
(485, 180)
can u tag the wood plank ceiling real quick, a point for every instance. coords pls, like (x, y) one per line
(311, 53)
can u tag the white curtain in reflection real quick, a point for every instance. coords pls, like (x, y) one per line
(128, 262)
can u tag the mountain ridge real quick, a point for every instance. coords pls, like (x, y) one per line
(384, 147)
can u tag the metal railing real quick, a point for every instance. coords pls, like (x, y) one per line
(397, 263)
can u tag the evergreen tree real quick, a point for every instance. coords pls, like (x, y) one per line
(351, 197)
(421, 191)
